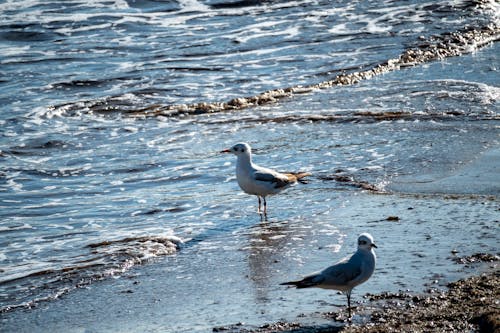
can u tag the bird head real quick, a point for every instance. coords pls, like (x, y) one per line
(239, 149)
(365, 241)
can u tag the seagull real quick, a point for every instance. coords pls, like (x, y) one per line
(259, 181)
(346, 274)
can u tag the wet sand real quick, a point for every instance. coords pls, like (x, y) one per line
(141, 300)
(479, 177)
(467, 305)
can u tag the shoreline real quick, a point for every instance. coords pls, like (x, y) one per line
(467, 305)
(136, 302)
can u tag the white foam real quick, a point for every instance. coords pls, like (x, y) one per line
(193, 6)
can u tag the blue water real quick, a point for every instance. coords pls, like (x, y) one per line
(87, 197)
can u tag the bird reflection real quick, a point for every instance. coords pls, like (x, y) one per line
(267, 248)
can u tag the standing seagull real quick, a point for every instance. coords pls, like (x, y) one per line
(257, 180)
(346, 274)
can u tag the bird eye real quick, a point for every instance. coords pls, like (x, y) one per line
(362, 242)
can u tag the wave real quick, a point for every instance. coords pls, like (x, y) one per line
(449, 44)
(107, 258)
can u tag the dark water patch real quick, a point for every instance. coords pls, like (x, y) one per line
(154, 5)
(37, 147)
(49, 144)
(153, 211)
(18, 26)
(26, 36)
(137, 169)
(89, 83)
(238, 4)
(26, 32)
(196, 69)
(176, 208)
(78, 83)
(192, 53)
(17, 152)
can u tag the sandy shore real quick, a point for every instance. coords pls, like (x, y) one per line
(160, 298)
(469, 305)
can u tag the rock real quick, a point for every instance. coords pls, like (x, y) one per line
(488, 322)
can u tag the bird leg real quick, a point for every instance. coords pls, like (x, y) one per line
(265, 206)
(349, 303)
(258, 209)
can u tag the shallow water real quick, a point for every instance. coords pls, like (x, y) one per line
(86, 197)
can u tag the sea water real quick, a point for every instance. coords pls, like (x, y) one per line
(140, 218)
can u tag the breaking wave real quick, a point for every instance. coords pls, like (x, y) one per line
(106, 259)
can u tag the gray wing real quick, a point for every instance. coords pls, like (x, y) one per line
(341, 274)
(272, 177)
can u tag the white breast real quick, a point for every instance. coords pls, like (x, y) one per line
(248, 183)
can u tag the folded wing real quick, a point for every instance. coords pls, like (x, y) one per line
(279, 180)
(339, 276)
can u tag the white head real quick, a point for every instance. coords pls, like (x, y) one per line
(239, 149)
(365, 242)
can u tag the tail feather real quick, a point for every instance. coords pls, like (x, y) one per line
(305, 283)
(290, 283)
(299, 176)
